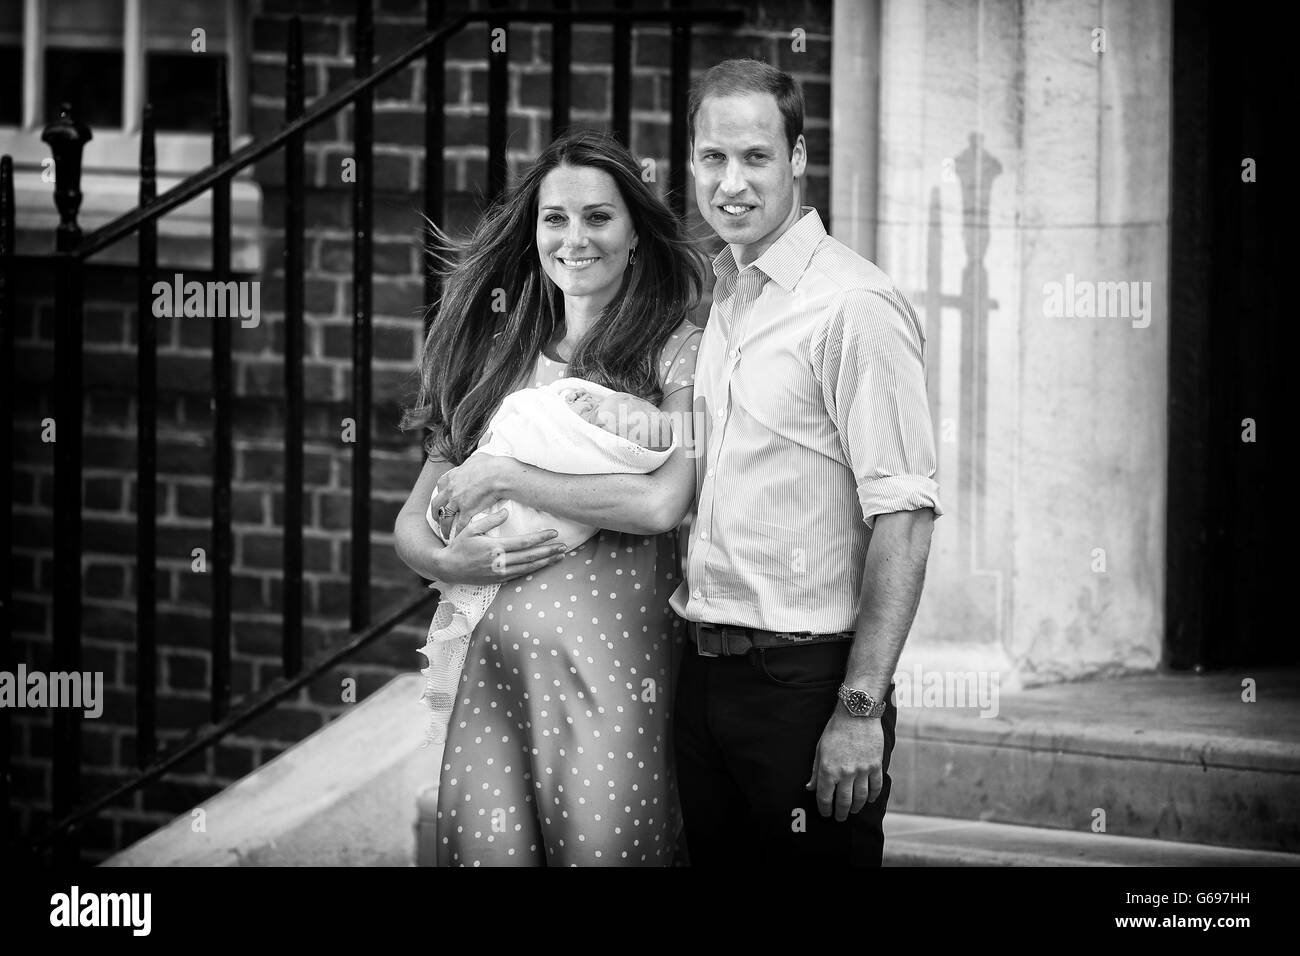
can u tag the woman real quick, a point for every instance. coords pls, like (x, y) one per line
(558, 752)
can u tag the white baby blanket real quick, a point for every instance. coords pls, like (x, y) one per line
(537, 427)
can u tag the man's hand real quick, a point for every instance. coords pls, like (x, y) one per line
(847, 769)
(474, 486)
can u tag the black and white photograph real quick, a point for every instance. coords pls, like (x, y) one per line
(779, 436)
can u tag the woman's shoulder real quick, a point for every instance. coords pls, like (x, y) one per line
(685, 330)
(677, 360)
(685, 335)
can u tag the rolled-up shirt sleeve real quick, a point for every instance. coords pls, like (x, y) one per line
(870, 363)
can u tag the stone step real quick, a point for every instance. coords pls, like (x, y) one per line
(912, 840)
(344, 796)
(1180, 758)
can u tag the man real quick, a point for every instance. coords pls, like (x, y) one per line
(814, 505)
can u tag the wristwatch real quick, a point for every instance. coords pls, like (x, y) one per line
(859, 703)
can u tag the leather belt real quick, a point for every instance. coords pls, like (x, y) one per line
(728, 640)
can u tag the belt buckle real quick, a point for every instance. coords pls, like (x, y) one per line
(712, 640)
(705, 636)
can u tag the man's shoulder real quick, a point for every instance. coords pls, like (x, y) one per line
(862, 299)
(857, 294)
(835, 266)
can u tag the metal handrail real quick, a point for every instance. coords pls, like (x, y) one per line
(74, 249)
(335, 100)
(248, 709)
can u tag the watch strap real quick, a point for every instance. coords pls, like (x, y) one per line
(859, 703)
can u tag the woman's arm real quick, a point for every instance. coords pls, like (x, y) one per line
(472, 557)
(638, 504)
(416, 544)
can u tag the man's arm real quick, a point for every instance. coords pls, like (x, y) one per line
(848, 766)
(872, 372)
(871, 366)
(891, 590)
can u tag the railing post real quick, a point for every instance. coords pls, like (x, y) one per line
(362, 269)
(434, 94)
(67, 137)
(498, 91)
(678, 140)
(146, 482)
(561, 53)
(622, 92)
(7, 656)
(291, 651)
(223, 551)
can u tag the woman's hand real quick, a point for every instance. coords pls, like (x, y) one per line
(473, 558)
(474, 486)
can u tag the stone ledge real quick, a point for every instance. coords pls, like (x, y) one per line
(1196, 719)
(1168, 757)
(944, 841)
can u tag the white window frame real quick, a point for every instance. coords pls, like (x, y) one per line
(111, 160)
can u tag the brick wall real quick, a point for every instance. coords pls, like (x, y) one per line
(184, 434)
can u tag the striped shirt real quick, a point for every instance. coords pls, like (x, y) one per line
(810, 387)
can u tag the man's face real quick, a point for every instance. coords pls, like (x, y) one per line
(745, 172)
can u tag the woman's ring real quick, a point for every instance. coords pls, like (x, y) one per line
(445, 512)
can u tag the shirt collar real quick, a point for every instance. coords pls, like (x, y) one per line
(786, 260)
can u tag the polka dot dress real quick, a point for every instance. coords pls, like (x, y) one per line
(559, 749)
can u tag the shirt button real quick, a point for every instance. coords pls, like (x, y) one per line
(709, 473)
(697, 594)
(703, 535)
(722, 412)
(734, 353)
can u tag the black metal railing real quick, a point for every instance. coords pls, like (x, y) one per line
(8, 657)
(67, 138)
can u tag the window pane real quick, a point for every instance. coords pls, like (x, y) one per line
(169, 24)
(11, 85)
(91, 80)
(83, 23)
(182, 88)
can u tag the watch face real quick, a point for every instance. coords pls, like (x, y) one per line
(858, 701)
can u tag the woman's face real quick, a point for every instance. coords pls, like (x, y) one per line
(584, 232)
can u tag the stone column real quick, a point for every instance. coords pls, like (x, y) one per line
(1023, 208)
(855, 120)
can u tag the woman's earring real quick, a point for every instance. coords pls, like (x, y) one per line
(631, 256)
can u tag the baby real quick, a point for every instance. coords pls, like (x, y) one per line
(622, 414)
(534, 426)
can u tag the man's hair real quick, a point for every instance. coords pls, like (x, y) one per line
(739, 77)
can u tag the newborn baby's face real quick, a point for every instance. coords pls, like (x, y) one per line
(622, 414)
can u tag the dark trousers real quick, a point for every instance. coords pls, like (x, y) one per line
(746, 734)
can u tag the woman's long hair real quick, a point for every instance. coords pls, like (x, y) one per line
(493, 283)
